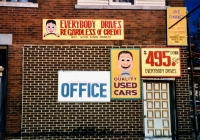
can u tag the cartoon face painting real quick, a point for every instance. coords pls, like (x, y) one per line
(51, 28)
(125, 62)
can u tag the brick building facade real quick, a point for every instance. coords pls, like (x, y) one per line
(32, 65)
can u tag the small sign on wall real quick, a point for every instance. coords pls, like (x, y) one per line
(125, 73)
(83, 29)
(83, 86)
(176, 35)
(160, 62)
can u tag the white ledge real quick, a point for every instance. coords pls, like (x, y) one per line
(5, 39)
(120, 7)
(19, 4)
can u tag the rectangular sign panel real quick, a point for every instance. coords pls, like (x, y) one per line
(83, 29)
(125, 73)
(160, 62)
(177, 35)
(83, 86)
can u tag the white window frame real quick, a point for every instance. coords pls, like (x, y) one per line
(119, 3)
(138, 4)
(18, 4)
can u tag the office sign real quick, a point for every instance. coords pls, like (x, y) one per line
(83, 86)
(83, 29)
(125, 73)
(161, 62)
(177, 35)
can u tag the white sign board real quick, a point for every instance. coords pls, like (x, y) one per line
(83, 86)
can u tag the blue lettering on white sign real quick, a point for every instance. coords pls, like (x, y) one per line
(93, 90)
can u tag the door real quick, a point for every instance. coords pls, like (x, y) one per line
(1, 108)
(156, 109)
(3, 77)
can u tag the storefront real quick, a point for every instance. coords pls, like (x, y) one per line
(65, 81)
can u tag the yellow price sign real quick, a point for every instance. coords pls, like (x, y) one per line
(161, 62)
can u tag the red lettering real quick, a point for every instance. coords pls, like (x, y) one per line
(119, 22)
(68, 24)
(125, 92)
(121, 92)
(112, 31)
(62, 24)
(125, 85)
(74, 24)
(62, 31)
(128, 92)
(114, 24)
(115, 92)
(134, 92)
(108, 24)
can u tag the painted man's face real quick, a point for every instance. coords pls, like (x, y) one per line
(125, 62)
(51, 28)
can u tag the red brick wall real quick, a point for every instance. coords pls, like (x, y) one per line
(14, 91)
(47, 119)
(177, 3)
(142, 27)
(183, 102)
(52, 119)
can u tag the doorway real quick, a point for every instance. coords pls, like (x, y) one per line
(3, 85)
(156, 105)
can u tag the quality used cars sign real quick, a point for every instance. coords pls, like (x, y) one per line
(125, 73)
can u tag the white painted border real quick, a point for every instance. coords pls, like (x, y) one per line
(120, 7)
(5, 39)
(19, 4)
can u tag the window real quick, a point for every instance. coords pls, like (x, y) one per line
(19, 3)
(103, 2)
(119, 4)
(19, 0)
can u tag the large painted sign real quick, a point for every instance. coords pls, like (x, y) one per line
(161, 62)
(177, 35)
(125, 73)
(83, 86)
(83, 29)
